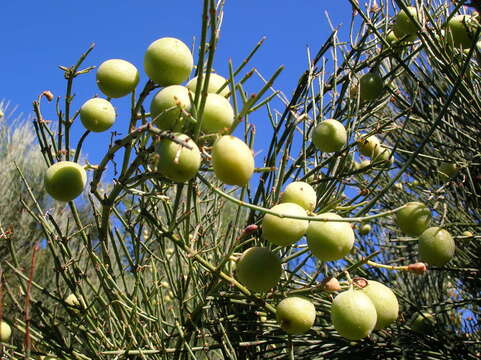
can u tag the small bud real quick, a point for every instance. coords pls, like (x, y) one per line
(418, 268)
(331, 284)
(249, 229)
(48, 94)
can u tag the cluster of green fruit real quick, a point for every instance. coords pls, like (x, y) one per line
(459, 31)
(436, 245)
(168, 62)
(259, 269)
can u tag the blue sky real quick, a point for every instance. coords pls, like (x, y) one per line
(37, 36)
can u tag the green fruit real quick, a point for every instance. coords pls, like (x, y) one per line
(295, 315)
(371, 87)
(284, 231)
(300, 193)
(385, 302)
(232, 160)
(353, 314)
(422, 322)
(461, 30)
(167, 105)
(5, 332)
(65, 180)
(364, 229)
(218, 115)
(447, 170)
(363, 164)
(117, 78)
(97, 115)
(330, 240)
(436, 246)
(259, 269)
(168, 61)
(176, 162)
(329, 136)
(467, 234)
(403, 25)
(370, 146)
(414, 218)
(215, 83)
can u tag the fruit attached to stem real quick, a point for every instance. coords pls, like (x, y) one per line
(436, 246)
(385, 302)
(117, 78)
(177, 162)
(65, 180)
(284, 231)
(215, 83)
(300, 193)
(330, 240)
(259, 269)
(168, 61)
(168, 106)
(296, 315)
(97, 115)
(414, 218)
(353, 314)
(232, 160)
(329, 136)
(5, 332)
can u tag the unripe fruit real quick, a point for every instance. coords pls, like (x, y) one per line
(363, 164)
(295, 315)
(65, 180)
(5, 332)
(467, 234)
(329, 136)
(371, 87)
(215, 83)
(436, 246)
(97, 115)
(461, 30)
(284, 231)
(232, 160)
(177, 162)
(370, 146)
(384, 155)
(218, 115)
(300, 193)
(385, 302)
(330, 240)
(259, 269)
(117, 78)
(414, 218)
(447, 170)
(397, 45)
(422, 322)
(167, 105)
(353, 314)
(404, 26)
(168, 61)
(364, 229)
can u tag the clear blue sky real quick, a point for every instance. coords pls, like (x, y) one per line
(37, 36)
